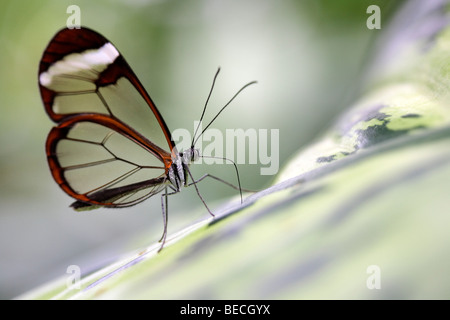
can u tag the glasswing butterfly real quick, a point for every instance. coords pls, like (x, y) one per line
(111, 147)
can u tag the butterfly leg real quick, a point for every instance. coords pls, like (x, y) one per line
(165, 208)
(198, 192)
(207, 175)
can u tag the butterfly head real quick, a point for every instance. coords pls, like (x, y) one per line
(190, 155)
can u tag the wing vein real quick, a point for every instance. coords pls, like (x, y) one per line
(88, 164)
(116, 180)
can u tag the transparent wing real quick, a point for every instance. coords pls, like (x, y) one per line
(111, 146)
(101, 161)
(82, 72)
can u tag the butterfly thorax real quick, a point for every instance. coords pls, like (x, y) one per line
(178, 171)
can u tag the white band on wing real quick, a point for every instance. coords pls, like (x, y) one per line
(86, 64)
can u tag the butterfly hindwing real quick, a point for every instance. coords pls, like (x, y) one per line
(111, 146)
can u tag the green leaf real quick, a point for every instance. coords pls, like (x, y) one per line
(372, 191)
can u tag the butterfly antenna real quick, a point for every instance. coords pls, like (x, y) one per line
(204, 108)
(226, 105)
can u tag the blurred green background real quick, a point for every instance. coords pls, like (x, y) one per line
(307, 56)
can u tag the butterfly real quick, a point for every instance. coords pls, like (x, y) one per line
(110, 146)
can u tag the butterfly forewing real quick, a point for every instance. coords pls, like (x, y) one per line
(81, 72)
(111, 146)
